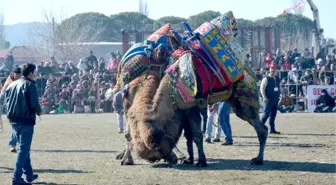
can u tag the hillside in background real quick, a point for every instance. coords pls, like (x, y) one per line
(17, 34)
(109, 26)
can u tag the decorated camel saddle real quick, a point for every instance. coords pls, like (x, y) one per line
(211, 63)
(152, 55)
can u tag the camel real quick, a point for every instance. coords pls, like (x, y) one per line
(193, 77)
(144, 136)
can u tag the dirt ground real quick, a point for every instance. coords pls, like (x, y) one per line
(81, 149)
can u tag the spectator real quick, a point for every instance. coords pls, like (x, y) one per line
(307, 78)
(268, 60)
(118, 107)
(113, 63)
(23, 106)
(325, 103)
(286, 103)
(224, 110)
(208, 133)
(91, 61)
(9, 61)
(326, 77)
(77, 100)
(11, 78)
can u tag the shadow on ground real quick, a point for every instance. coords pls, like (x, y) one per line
(251, 137)
(309, 134)
(237, 164)
(51, 183)
(76, 151)
(297, 145)
(10, 170)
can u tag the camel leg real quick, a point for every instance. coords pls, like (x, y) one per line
(121, 155)
(194, 117)
(127, 156)
(128, 140)
(251, 115)
(189, 137)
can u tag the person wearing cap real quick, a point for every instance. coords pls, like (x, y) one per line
(270, 92)
(11, 78)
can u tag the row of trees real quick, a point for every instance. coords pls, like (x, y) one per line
(111, 25)
(63, 36)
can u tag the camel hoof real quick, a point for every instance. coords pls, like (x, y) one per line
(201, 163)
(256, 161)
(126, 163)
(188, 161)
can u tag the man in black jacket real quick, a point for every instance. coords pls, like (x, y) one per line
(22, 106)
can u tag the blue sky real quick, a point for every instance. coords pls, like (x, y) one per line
(30, 10)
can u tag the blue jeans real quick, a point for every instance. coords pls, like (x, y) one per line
(270, 111)
(13, 141)
(224, 120)
(24, 135)
(286, 109)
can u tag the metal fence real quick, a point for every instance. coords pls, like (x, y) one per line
(74, 94)
(93, 93)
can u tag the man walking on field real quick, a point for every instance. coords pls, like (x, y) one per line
(11, 78)
(22, 106)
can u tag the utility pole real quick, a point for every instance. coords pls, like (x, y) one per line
(53, 36)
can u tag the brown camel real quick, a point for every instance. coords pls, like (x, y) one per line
(167, 100)
(141, 73)
(192, 78)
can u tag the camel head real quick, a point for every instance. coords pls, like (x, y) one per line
(227, 24)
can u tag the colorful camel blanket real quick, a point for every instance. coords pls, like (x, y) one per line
(193, 80)
(247, 90)
(138, 58)
(134, 68)
(183, 73)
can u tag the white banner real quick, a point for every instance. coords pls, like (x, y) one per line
(314, 91)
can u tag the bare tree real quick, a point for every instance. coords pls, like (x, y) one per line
(300, 40)
(143, 7)
(2, 31)
(66, 40)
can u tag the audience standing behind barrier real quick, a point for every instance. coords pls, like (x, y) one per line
(66, 86)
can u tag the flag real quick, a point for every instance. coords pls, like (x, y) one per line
(294, 7)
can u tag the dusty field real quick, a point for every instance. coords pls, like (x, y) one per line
(81, 149)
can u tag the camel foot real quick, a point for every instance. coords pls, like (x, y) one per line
(126, 163)
(120, 156)
(201, 163)
(188, 161)
(256, 161)
(154, 160)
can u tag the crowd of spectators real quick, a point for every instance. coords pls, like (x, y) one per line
(298, 70)
(85, 86)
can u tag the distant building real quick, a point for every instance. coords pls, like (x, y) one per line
(81, 50)
(21, 55)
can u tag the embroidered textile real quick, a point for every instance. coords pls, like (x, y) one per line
(247, 90)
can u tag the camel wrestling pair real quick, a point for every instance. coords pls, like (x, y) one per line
(166, 79)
